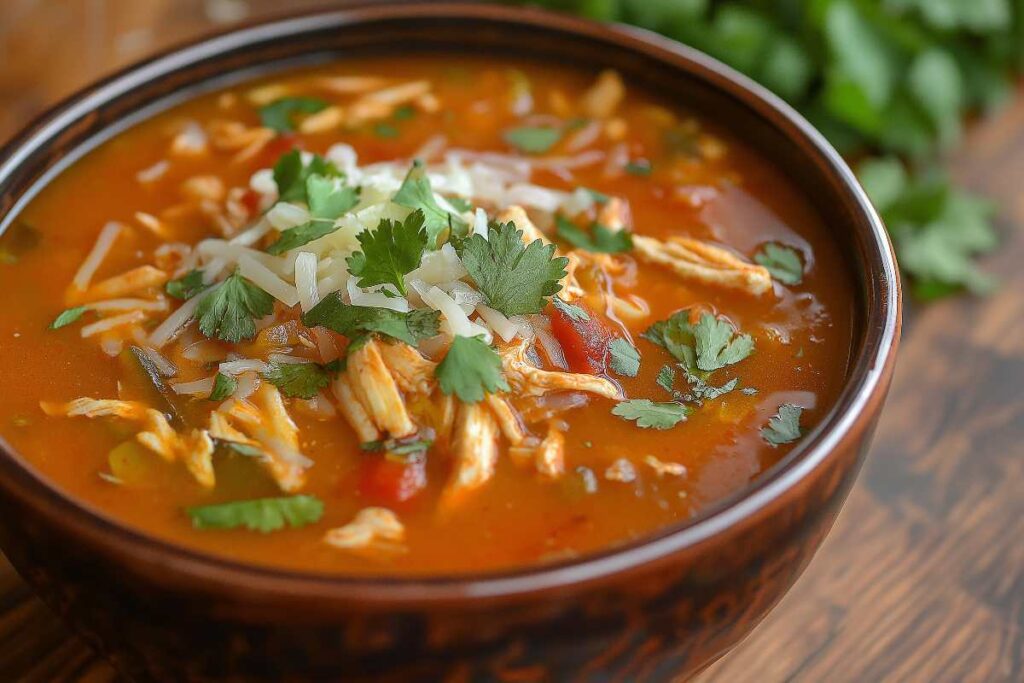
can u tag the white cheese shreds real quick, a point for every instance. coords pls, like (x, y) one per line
(107, 237)
(237, 367)
(212, 270)
(375, 298)
(129, 305)
(265, 279)
(249, 237)
(213, 248)
(112, 322)
(175, 322)
(285, 358)
(203, 352)
(190, 141)
(552, 349)
(305, 280)
(443, 265)
(153, 173)
(284, 215)
(199, 387)
(504, 327)
(480, 223)
(455, 319)
(262, 182)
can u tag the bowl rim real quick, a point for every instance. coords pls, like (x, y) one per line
(867, 380)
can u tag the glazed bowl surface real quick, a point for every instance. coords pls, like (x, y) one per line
(653, 610)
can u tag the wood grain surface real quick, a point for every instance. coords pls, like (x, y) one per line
(922, 578)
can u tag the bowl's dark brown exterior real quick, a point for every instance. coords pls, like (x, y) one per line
(663, 607)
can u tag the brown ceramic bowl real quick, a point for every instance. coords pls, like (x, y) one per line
(656, 609)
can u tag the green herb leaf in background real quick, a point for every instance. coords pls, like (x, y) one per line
(279, 114)
(263, 514)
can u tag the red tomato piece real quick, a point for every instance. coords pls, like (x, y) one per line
(584, 341)
(384, 481)
(251, 202)
(273, 150)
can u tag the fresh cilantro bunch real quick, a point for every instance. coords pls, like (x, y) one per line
(880, 78)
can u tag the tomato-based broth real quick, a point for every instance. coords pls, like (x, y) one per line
(407, 316)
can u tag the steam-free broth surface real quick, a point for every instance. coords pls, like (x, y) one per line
(581, 478)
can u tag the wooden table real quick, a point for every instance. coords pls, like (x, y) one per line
(922, 578)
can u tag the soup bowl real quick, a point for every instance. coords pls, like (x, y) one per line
(661, 607)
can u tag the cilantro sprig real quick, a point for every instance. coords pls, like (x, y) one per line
(710, 344)
(357, 322)
(186, 286)
(471, 369)
(651, 415)
(298, 380)
(262, 514)
(601, 239)
(389, 252)
(280, 114)
(229, 312)
(783, 262)
(329, 199)
(784, 426)
(515, 278)
(415, 193)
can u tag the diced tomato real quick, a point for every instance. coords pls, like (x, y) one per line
(273, 150)
(383, 481)
(584, 342)
(251, 202)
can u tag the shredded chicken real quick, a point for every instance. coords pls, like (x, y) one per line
(475, 449)
(234, 136)
(378, 391)
(526, 378)
(264, 419)
(353, 410)
(603, 98)
(411, 370)
(662, 468)
(374, 532)
(194, 449)
(694, 260)
(508, 419)
(550, 455)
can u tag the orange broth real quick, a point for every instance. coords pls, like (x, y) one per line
(802, 337)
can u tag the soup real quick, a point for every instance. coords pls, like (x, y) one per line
(400, 316)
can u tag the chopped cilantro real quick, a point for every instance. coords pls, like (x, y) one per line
(67, 317)
(229, 312)
(707, 346)
(625, 359)
(666, 379)
(783, 262)
(598, 197)
(297, 380)
(649, 414)
(571, 311)
(262, 514)
(385, 130)
(640, 167)
(784, 427)
(415, 193)
(533, 139)
(601, 239)
(329, 198)
(279, 114)
(701, 391)
(390, 252)
(514, 277)
(291, 174)
(749, 391)
(186, 286)
(356, 322)
(471, 369)
(223, 386)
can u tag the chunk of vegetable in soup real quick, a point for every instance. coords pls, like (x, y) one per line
(253, 326)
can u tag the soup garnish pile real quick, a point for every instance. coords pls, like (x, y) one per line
(399, 316)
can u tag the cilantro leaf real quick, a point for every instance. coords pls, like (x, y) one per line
(649, 414)
(186, 286)
(471, 369)
(640, 167)
(571, 311)
(229, 312)
(297, 380)
(783, 262)
(601, 239)
(416, 193)
(262, 514)
(625, 359)
(701, 391)
(533, 139)
(223, 386)
(67, 317)
(390, 252)
(514, 278)
(784, 427)
(328, 200)
(666, 379)
(291, 174)
(279, 114)
(709, 345)
(356, 322)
